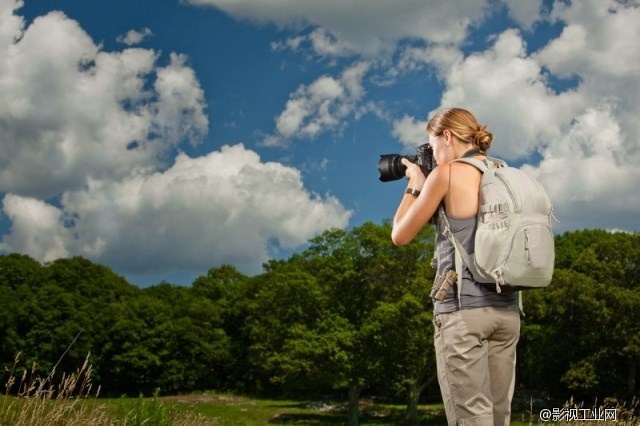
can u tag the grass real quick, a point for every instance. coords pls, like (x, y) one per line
(238, 410)
(73, 400)
(70, 400)
(579, 413)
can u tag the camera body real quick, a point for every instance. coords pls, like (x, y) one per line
(391, 168)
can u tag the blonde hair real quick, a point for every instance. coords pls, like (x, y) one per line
(463, 125)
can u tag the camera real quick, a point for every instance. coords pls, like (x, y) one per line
(391, 168)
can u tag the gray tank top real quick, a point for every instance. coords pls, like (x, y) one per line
(473, 294)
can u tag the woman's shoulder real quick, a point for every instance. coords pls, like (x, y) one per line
(440, 174)
(463, 167)
(443, 171)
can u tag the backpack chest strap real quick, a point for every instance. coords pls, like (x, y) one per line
(494, 208)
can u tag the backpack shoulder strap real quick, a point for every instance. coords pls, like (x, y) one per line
(482, 165)
(478, 164)
(462, 257)
(443, 222)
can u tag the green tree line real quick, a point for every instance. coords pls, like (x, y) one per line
(346, 318)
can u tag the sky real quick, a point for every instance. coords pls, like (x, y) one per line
(163, 138)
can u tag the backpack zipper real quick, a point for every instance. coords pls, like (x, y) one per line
(527, 249)
(509, 190)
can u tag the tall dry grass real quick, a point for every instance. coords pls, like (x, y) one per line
(608, 413)
(33, 400)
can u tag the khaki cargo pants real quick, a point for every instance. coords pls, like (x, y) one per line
(476, 359)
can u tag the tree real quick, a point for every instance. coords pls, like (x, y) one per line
(399, 335)
(17, 274)
(588, 320)
(197, 345)
(363, 270)
(230, 292)
(137, 344)
(166, 338)
(287, 306)
(322, 306)
(60, 319)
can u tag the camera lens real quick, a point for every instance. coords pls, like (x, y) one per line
(390, 167)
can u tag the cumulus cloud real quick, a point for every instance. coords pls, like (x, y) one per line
(225, 207)
(320, 41)
(133, 37)
(592, 168)
(84, 134)
(72, 111)
(363, 27)
(505, 88)
(600, 38)
(508, 90)
(588, 179)
(586, 135)
(93, 125)
(325, 44)
(525, 12)
(37, 228)
(320, 106)
(410, 131)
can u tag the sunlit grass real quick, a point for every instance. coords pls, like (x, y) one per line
(72, 399)
(30, 399)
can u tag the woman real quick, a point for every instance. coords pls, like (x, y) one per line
(475, 333)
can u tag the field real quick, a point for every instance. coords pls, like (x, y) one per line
(72, 400)
(199, 409)
(221, 409)
(235, 410)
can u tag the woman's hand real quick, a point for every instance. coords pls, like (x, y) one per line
(414, 212)
(414, 174)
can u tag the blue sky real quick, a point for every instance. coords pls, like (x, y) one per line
(163, 138)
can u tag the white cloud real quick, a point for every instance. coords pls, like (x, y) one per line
(600, 46)
(600, 38)
(320, 106)
(519, 95)
(591, 143)
(588, 180)
(225, 207)
(292, 43)
(364, 27)
(410, 132)
(37, 228)
(585, 136)
(525, 12)
(92, 125)
(508, 91)
(89, 129)
(325, 44)
(592, 167)
(133, 37)
(179, 110)
(441, 57)
(11, 25)
(72, 111)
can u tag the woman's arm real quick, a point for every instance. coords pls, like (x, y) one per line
(414, 212)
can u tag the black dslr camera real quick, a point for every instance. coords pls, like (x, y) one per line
(391, 167)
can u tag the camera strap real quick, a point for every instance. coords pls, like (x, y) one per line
(473, 152)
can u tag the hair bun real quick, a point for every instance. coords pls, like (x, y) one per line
(482, 138)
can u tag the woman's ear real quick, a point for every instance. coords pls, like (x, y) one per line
(447, 137)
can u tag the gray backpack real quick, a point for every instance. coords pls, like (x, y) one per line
(514, 243)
